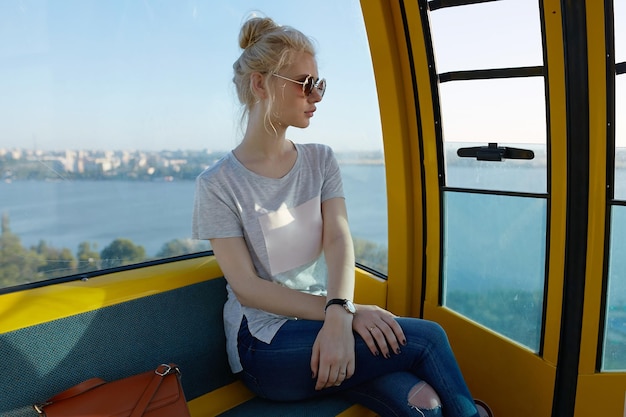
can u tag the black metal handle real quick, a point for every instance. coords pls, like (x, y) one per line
(493, 152)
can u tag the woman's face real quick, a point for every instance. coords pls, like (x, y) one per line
(291, 106)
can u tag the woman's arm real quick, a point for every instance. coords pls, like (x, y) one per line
(333, 360)
(252, 291)
(377, 327)
(338, 250)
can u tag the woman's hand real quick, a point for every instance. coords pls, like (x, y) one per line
(332, 361)
(379, 329)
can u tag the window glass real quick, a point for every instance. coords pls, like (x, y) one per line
(110, 110)
(511, 175)
(509, 112)
(494, 245)
(620, 137)
(614, 358)
(474, 36)
(619, 8)
(494, 262)
(367, 211)
(620, 100)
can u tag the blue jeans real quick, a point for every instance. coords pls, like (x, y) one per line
(281, 370)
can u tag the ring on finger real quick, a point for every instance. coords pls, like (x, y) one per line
(372, 328)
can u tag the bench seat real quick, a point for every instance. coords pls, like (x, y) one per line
(163, 321)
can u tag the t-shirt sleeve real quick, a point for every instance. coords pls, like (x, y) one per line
(333, 185)
(214, 213)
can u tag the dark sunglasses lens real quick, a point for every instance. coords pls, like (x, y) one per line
(309, 84)
(321, 87)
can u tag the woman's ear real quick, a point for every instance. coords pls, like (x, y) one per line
(257, 85)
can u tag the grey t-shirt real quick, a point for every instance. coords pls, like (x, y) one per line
(280, 220)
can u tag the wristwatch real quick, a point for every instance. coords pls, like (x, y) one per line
(347, 304)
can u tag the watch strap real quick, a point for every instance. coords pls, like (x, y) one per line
(340, 301)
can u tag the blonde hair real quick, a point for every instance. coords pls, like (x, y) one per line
(267, 48)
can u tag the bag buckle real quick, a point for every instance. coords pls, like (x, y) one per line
(39, 408)
(165, 369)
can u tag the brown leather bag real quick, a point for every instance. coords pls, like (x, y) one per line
(155, 393)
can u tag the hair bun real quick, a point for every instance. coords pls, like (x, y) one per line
(253, 29)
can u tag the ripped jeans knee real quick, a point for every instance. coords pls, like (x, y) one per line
(424, 399)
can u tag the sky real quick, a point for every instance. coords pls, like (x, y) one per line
(157, 74)
(154, 75)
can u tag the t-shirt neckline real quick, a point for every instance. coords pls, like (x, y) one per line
(243, 168)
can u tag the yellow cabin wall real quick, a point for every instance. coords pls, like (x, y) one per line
(31, 307)
(383, 24)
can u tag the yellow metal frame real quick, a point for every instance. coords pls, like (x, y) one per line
(596, 392)
(558, 175)
(383, 22)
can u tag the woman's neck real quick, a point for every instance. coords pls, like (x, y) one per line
(268, 154)
(260, 140)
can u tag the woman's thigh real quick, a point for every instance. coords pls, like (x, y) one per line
(282, 369)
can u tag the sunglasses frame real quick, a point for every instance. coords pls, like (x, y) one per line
(313, 83)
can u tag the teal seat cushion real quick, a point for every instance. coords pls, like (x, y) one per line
(183, 326)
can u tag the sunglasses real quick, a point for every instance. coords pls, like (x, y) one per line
(308, 84)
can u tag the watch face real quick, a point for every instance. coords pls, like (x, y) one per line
(349, 306)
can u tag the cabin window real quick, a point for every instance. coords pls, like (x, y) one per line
(494, 209)
(619, 11)
(495, 34)
(614, 355)
(614, 358)
(510, 112)
(620, 135)
(110, 110)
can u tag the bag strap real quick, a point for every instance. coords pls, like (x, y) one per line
(77, 389)
(159, 373)
(69, 393)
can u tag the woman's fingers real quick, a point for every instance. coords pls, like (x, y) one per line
(397, 330)
(384, 337)
(332, 376)
(332, 360)
(342, 375)
(380, 331)
(393, 333)
(369, 340)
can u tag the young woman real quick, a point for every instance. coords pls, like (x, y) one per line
(275, 214)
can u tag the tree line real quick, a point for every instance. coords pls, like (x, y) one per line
(21, 265)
